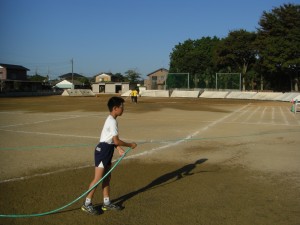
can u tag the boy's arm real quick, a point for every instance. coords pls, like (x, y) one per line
(120, 150)
(119, 142)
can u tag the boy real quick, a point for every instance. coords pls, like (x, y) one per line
(109, 140)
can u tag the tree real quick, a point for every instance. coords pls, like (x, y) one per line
(132, 76)
(279, 44)
(37, 77)
(118, 77)
(84, 81)
(237, 53)
(194, 57)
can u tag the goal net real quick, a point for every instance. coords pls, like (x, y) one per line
(178, 80)
(228, 81)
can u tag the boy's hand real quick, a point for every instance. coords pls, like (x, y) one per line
(133, 145)
(121, 151)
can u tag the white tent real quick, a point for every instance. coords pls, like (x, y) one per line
(65, 85)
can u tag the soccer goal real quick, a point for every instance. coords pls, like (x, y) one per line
(229, 81)
(178, 80)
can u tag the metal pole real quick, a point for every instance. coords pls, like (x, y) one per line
(188, 81)
(240, 82)
(72, 75)
(216, 81)
(166, 82)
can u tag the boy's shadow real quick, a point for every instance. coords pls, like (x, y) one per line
(162, 180)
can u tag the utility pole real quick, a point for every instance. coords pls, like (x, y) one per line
(72, 74)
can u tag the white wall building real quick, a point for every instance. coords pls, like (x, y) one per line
(110, 87)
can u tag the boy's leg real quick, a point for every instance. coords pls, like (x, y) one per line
(87, 206)
(98, 175)
(105, 184)
(107, 205)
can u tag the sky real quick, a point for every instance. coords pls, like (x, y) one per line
(115, 35)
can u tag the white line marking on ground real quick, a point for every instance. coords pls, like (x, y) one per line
(270, 124)
(284, 116)
(46, 121)
(262, 114)
(43, 174)
(37, 122)
(241, 114)
(273, 115)
(43, 133)
(213, 123)
(251, 115)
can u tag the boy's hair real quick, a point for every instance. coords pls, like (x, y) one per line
(114, 102)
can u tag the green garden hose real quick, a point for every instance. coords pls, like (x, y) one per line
(70, 203)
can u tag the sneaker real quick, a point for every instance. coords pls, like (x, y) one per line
(89, 209)
(111, 207)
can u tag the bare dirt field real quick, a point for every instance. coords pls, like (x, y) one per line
(198, 161)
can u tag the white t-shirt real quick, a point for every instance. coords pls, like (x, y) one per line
(110, 129)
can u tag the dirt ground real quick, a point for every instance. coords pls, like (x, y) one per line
(198, 161)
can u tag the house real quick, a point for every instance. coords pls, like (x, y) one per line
(157, 79)
(109, 84)
(103, 77)
(70, 76)
(110, 87)
(13, 78)
(12, 72)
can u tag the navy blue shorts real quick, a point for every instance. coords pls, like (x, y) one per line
(103, 154)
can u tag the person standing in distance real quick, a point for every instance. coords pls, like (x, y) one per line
(134, 93)
(109, 140)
